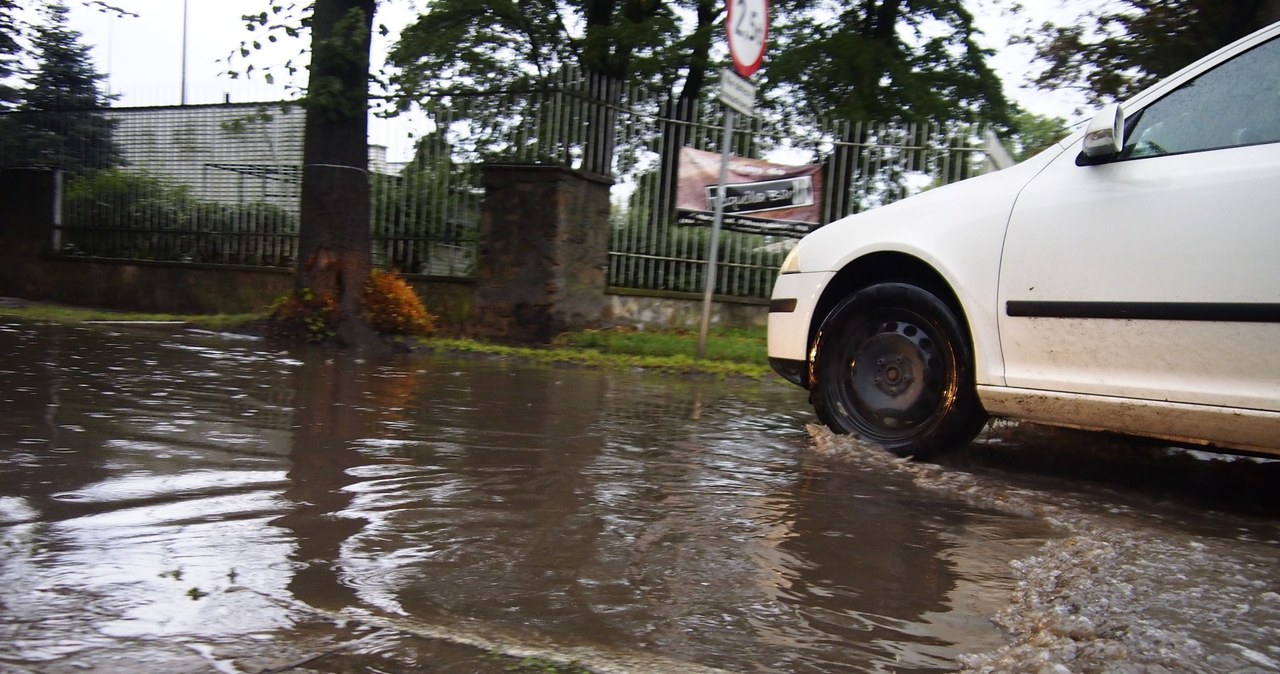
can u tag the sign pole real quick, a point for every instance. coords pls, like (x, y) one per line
(714, 245)
(747, 29)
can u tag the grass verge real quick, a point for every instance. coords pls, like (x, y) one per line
(729, 352)
(51, 313)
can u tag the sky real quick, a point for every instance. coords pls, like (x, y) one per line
(143, 55)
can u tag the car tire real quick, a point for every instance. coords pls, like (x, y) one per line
(893, 366)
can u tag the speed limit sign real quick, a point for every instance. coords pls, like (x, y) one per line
(747, 25)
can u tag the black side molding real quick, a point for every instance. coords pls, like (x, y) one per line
(1148, 311)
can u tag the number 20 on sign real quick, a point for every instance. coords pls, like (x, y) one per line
(747, 26)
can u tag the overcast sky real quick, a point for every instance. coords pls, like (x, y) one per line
(142, 55)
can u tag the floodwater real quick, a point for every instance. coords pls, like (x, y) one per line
(188, 502)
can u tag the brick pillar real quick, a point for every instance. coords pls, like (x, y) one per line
(544, 245)
(31, 199)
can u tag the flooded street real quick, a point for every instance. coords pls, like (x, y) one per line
(200, 503)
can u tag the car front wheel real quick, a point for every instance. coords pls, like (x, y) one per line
(893, 366)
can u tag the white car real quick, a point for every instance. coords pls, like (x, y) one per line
(1127, 279)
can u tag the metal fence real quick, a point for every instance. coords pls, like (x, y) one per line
(864, 165)
(220, 183)
(213, 184)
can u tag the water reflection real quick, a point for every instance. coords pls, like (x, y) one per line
(126, 508)
(181, 489)
(328, 415)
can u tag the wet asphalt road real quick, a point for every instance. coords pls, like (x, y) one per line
(196, 503)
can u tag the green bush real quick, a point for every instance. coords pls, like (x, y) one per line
(133, 215)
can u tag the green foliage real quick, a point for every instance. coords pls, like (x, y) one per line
(168, 224)
(304, 316)
(680, 363)
(487, 45)
(116, 198)
(883, 61)
(285, 19)
(1113, 52)
(340, 60)
(500, 44)
(432, 201)
(64, 76)
(10, 50)
(665, 272)
(47, 313)
(674, 258)
(71, 134)
(730, 345)
(653, 252)
(1033, 133)
(592, 49)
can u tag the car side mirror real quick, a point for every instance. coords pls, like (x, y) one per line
(1104, 138)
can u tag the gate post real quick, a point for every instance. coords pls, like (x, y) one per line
(543, 250)
(32, 201)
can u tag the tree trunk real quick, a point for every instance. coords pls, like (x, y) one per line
(678, 115)
(334, 239)
(607, 49)
(604, 99)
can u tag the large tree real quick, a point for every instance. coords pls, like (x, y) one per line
(859, 64)
(1117, 50)
(64, 127)
(334, 240)
(13, 28)
(873, 60)
(334, 287)
(10, 50)
(883, 61)
(495, 45)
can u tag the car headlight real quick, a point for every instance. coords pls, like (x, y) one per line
(791, 264)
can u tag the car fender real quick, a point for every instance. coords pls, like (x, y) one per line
(957, 230)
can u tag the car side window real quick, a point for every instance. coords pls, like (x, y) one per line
(1236, 103)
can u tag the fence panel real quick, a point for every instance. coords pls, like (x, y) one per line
(864, 165)
(221, 184)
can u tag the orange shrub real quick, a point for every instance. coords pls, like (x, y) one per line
(392, 307)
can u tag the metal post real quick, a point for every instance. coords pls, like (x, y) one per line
(714, 247)
(184, 52)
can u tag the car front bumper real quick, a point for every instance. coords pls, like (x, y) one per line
(795, 297)
(794, 371)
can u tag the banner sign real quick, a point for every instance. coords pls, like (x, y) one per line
(760, 197)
